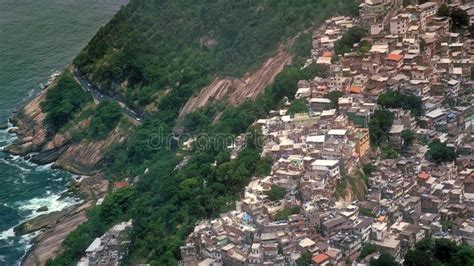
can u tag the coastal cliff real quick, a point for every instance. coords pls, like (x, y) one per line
(75, 148)
(34, 140)
(48, 244)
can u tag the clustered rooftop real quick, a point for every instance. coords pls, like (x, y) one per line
(403, 199)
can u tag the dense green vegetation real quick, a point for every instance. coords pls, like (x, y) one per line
(379, 126)
(385, 259)
(388, 152)
(441, 251)
(298, 106)
(349, 38)
(367, 213)
(366, 250)
(459, 18)
(393, 99)
(443, 11)
(358, 185)
(113, 210)
(286, 212)
(178, 46)
(63, 101)
(155, 45)
(364, 47)
(368, 169)
(340, 190)
(408, 137)
(439, 152)
(276, 193)
(334, 97)
(105, 118)
(306, 259)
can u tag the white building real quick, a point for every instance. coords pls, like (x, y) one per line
(331, 167)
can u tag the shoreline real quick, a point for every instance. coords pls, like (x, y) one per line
(65, 197)
(49, 229)
(33, 141)
(47, 244)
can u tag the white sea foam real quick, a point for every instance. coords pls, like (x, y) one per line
(5, 235)
(32, 91)
(15, 163)
(51, 201)
(45, 167)
(7, 136)
(26, 242)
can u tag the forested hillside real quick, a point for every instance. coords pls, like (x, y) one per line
(180, 45)
(152, 46)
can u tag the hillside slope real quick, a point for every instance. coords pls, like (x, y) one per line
(153, 46)
(164, 53)
(235, 91)
(67, 148)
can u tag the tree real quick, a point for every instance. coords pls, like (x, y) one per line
(385, 259)
(283, 214)
(460, 18)
(364, 47)
(349, 38)
(417, 258)
(306, 259)
(367, 249)
(388, 152)
(298, 106)
(106, 116)
(368, 168)
(444, 249)
(441, 251)
(334, 97)
(464, 255)
(63, 101)
(276, 193)
(406, 101)
(406, 3)
(422, 44)
(443, 11)
(379, 126)
(439, 152)
(408, 137)
(446, 225)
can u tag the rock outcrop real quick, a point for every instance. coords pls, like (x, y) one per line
(29, 127)
(81, 158)
(236, 91)
(48, 244)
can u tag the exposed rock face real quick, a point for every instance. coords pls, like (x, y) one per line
(84, 157)
(29, 127)
(57, 227)
(42, 209)
(236, 91)
(81, 158)
(40, 222)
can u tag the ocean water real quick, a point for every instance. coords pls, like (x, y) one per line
(37, 38)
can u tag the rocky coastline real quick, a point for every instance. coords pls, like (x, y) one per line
(82, 158)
